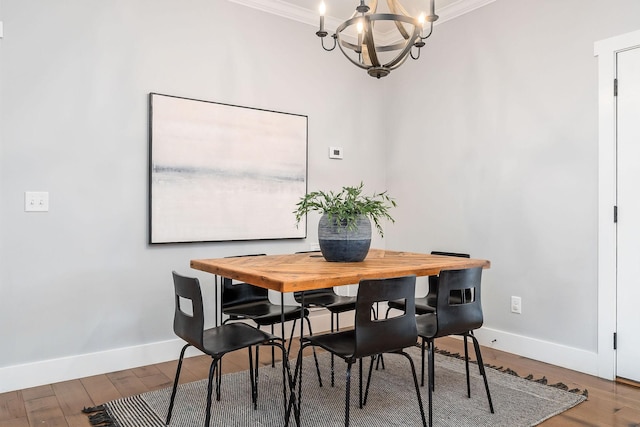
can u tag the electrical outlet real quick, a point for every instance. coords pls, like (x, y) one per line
(516, 305)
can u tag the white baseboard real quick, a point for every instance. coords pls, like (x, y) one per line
(51, 371)
(556, 354)
(19, 377)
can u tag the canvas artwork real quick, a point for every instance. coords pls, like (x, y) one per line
(221, 172)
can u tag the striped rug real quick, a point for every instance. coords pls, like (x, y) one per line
(392, 399)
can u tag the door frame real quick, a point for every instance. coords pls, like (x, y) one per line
(606, 51)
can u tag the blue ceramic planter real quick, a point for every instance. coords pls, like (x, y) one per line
(339, 244)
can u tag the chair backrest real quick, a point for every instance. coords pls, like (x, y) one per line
(234, 294)
(375, 336)
(456, 316)
(433, 280)
(188, 319)
(315, 292)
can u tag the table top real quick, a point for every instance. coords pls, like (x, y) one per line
(307, 271)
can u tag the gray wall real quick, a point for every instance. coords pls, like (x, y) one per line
(76, 75)
(489, 144)
(495, 153)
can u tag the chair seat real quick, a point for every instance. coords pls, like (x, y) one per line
(265, 313)
(424, 305)
(332, 302)
(342, 344)
(427, 325)
(226, 338)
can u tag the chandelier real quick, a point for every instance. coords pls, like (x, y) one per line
(382, 49)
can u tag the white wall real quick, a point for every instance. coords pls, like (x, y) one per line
(494, 152)
(80, 281)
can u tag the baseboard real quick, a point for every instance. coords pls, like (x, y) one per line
(67, 368)
(51, 371)
(544, 351)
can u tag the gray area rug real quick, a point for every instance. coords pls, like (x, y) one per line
(392, 399)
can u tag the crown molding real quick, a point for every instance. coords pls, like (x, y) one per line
(291, 11)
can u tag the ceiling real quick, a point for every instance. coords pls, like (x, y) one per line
(306, 11)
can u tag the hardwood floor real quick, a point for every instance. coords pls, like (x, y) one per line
(609, 403)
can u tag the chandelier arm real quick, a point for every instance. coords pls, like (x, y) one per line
(394, 7)
(342, 43)
(402, 56)
(370, 43)
(414, 57)
(430, 32)
(334, 37)
(399, 62)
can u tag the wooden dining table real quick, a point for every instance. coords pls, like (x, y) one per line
(309, 270)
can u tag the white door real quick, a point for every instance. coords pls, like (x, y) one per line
(628, 226)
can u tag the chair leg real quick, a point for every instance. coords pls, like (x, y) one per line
(366, 392)
(360, 380)
(333, 383)
(432, 365)
(466, 366)
(386, 315)
(273, 353)
(380, 358)
(415, 383)
(253, 377)
(175, 383)
(422, 348)
(315, 356)
(293, 328)
(348, 394)
(476, 346)
(212, 369)
(285, 369)
(297, 377)
(218, 379)
(431, 385)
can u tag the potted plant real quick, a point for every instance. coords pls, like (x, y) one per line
(344, 230)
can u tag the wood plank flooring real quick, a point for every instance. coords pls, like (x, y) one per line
(59, 405)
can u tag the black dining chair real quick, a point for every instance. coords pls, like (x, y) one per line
(329, 300)
(427, 303)
(244, 301)
(454, 316)
(371, 337)
(188, 324)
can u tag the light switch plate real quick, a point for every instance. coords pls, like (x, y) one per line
(36, 201)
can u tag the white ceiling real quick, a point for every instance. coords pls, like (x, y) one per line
(306, 11)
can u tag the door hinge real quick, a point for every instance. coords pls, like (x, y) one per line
(615, 340)
(615, 87)
(615, 214)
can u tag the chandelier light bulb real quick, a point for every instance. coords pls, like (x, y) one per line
(323, 9)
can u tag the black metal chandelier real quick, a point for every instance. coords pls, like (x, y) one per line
(376, 51)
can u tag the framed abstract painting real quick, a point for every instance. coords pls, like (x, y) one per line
(220, 172)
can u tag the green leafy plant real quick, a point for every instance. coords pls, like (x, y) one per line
(345, 206)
